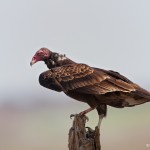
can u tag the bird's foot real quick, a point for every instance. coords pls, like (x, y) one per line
(72, 115)
(80, 115)
(89, 132)
(83, 114)
(86, 111)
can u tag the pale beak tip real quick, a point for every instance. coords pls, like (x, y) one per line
(31, 63)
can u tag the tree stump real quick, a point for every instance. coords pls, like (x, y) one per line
(81, 137)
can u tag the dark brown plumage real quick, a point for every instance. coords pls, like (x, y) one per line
(97, 87)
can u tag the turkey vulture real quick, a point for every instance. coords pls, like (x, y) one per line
(96, 87)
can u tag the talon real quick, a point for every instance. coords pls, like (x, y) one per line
(86, 118)
(89, 132)
(89, 129)
(72, 115)
(86, 111)
(82, 114)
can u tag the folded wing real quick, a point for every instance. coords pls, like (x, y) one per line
(84, 79)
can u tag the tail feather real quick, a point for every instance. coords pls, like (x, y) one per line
(142, 93)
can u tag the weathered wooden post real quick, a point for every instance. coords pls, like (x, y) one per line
(81, 137)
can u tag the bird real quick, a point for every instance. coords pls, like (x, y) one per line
(97, 87)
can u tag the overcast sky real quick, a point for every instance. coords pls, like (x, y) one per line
(109, 34)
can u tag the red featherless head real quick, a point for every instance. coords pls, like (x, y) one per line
(41, 55)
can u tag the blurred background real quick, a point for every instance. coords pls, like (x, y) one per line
(109, 34)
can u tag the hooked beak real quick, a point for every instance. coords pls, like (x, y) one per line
(33, 61)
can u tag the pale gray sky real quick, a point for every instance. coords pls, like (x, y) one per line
(110, 34)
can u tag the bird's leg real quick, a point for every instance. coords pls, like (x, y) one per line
(102, 111)
(100, 120)
(86, 111)
(83, 113)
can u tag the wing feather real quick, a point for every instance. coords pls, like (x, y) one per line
(83, 78)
